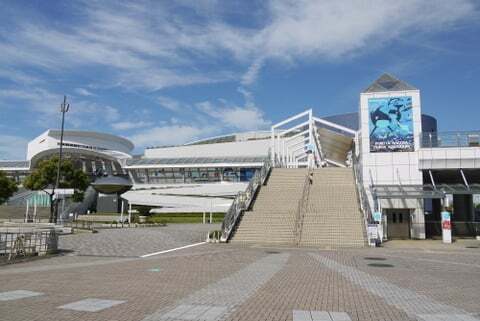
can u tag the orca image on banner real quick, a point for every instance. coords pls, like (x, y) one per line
(391, 124)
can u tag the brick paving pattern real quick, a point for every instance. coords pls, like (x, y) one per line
(404, 299)
(226, 282)
(222, 297)
(132, 242)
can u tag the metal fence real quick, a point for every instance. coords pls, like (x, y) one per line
(15, 244)
(243, 200)
(302, 207)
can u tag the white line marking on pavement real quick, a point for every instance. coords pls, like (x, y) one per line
(408, 300)
(91, 305)
(218, 300)
(171, 250)
(305, 315)
(18, 294)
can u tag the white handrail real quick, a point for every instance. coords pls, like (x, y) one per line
(362, 195)
(302, 204)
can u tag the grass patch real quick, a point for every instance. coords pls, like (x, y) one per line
(108, 214)
(183, 218)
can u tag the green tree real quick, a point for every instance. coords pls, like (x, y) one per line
(7, 187)
(43, 178)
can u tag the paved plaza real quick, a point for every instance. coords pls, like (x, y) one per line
(419, 280)
(133, 242)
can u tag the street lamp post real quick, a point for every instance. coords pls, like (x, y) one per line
(64, 107)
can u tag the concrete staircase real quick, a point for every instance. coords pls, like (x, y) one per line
(333, 217)
(272, 217)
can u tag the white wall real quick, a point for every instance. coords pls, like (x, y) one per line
(449, 158)
(393, 167)
(248, 148)
(39, 144)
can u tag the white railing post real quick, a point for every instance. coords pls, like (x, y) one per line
(272, 147)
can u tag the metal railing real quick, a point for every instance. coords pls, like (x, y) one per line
(243, 200)
(14, 245)
(301, 207)
(362, 194)
(450, 139)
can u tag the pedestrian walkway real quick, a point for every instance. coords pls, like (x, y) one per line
(224, 282)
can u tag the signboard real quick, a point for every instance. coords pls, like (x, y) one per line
(372, 234)
(391, 124)
(377, 216)
(446, 227)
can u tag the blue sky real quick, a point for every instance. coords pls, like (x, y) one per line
(165, 72)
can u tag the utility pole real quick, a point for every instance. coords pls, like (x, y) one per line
(64, 107)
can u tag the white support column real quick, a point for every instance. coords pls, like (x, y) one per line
(34, 210)
(272, 147)
(122, 209)
(310, 127)
(211, 209)
(26, 212)
(129, 213)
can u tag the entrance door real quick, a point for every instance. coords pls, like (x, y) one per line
(398, 223)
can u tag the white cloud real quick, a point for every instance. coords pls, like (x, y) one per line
(111, 114)
(236, 117)
(331, 29)
(84, 114)
(252, 72)
(13, 147)
(127, 125)
(45, 108)
(18, 76)
(170, 135)
(44, 104)
(150, 46)
(83, 92)
(209, 119)
(171, 104)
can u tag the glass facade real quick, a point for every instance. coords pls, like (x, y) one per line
(192, 175)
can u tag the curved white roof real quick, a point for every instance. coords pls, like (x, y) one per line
(90, 134)
(107, 144)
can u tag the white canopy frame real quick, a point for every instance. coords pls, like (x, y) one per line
(287, 150)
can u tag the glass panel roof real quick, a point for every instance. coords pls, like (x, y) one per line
(423, 191)
(195, 160)
(14, 164)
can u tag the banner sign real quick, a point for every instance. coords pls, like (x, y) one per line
(377, 216)
(446, 227)
(391, 124)
(372, 234)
